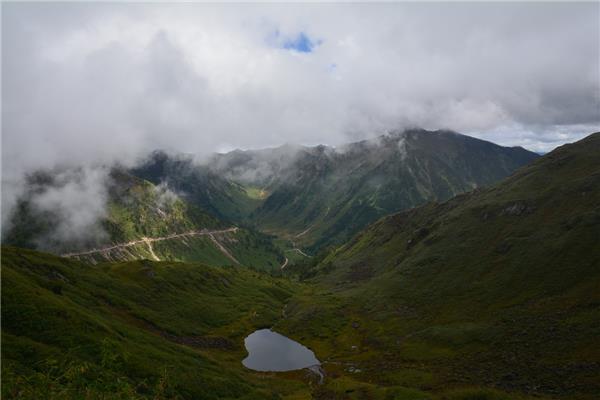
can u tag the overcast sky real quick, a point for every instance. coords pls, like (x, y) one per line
(98, 82)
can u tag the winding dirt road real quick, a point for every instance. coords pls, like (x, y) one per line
(148, 241)
(222, 248)
(284, 264)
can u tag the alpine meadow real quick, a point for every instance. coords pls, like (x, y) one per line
(287, 201)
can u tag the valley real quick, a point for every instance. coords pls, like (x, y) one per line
(490, 294)
(318, 197)
(388, 200)
(497, 287)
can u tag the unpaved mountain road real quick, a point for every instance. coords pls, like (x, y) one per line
(284, 264)
(300, 252)
(148, 241)
(222, 248)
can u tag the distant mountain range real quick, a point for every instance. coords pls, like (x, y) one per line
(320, 196)
(308, 197)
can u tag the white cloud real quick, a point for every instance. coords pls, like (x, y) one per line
(77, 197)
(99, 82)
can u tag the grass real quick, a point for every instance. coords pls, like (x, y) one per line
(256, 193)
(137, 208)
(492, 295)
(61, 319)
(119, 331)
(499, 286)
(337, 194)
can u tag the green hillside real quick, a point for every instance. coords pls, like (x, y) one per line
(200, 184)
(321, 196)
(497, 288)
(493, 295)
(148, 221)
(140, 329)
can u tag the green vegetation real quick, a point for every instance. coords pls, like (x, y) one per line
(204, 188)
(138, 329)
(320, 196)
(256, 193)
(138, 209)
(498, 287)
(160, 330)
(494, 295)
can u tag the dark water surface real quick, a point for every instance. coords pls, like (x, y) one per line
(270, 351)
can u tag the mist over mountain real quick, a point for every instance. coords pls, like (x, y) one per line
(91, 84)
(349, 201)
(491, 294)
(319, 196)
(313, 197)
(130, 219)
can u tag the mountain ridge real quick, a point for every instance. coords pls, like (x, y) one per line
(319, 196)
(492, 294)
(497, 285)
(336, 192)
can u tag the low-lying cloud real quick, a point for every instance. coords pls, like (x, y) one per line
(165, 197)
(64, 206)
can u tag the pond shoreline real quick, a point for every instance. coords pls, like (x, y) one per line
(270, 351)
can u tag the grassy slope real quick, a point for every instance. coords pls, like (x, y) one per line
(204, 188)
(71, 330)
(250, 248)
(499, 288)
(137, 208)
(330, 195)
(143, 329)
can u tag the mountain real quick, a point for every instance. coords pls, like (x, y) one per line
(498, 287)
(198, 184)
(493, 294)
(320, 196)
(141, 220)
(132, 330)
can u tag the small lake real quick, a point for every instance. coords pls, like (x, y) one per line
(270, 351)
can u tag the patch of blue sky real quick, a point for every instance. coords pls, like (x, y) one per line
(300, 43)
